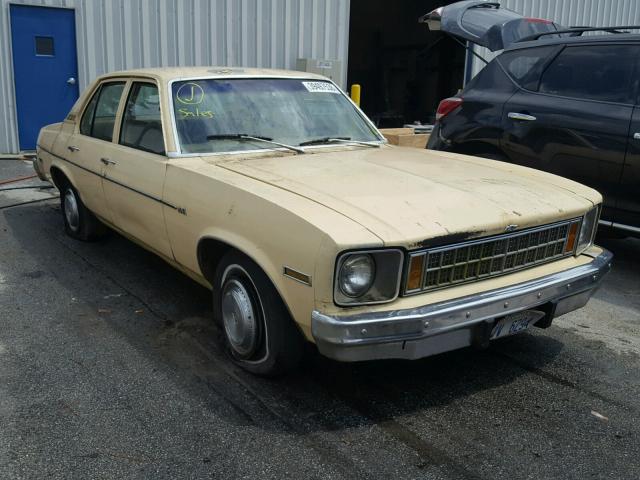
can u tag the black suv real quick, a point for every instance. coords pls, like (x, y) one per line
(555, 100)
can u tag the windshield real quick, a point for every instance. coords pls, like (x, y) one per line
(209, 113)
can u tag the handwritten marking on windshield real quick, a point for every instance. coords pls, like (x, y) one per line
(190, 94)
(184, 113)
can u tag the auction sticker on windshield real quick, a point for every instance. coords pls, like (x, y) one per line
(320, 87)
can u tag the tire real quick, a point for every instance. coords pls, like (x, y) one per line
(79, 222)
(259, 334)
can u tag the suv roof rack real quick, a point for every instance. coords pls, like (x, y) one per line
(578, 31)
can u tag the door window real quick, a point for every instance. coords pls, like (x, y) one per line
(86, 122)
(593, 72)
(142, 124)
(99, 117)
(44, 46)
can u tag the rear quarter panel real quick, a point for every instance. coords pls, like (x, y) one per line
(479, 120)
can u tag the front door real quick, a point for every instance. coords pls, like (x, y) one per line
(44, 67)
(136, 167)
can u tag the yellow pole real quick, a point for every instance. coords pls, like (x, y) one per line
(355, 93)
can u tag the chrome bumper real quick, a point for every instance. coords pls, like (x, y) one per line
(440, 327)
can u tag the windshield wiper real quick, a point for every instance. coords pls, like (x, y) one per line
(323, 140)
(244, 136)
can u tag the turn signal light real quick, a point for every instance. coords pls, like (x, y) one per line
(572, 237)
(416, 266)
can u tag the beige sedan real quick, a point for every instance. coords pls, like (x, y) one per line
(274, 190)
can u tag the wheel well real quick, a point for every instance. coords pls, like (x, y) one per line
(210, 252)
(58, 177)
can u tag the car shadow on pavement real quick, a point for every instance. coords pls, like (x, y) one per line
(166, 317)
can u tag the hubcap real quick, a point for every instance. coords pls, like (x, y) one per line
(239, 318)
(71, 210)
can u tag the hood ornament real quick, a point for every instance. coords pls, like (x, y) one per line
(511, 228)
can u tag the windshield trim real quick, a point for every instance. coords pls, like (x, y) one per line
(268, 149)
(179, 153)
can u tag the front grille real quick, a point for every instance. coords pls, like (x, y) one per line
(491, 257)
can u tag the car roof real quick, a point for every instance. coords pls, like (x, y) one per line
(590, 39)
(166, 74)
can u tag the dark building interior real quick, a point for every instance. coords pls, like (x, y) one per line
(403, 68)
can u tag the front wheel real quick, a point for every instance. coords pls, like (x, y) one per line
(260, 335)
(79, 222)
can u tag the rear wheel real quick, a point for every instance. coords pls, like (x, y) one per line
(79, 222)
(260, 335)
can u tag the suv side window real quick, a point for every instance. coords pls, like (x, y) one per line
(593, 72)
(141, 123)
(525, 65)
(99, 117)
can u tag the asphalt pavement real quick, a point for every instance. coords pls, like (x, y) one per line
(111, 367)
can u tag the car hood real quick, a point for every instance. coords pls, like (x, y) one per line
(411, 197)
(485, 23)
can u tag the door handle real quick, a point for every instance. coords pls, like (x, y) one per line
(107, 161)
(523, 117)
(73, 148)
(636, 136)
(71, 81)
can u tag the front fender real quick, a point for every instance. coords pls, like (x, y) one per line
(297, 296)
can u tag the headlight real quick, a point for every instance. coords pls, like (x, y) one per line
(588, 229)
(356, 275)
(367, 277)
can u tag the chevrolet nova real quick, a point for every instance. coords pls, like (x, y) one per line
(275, 191)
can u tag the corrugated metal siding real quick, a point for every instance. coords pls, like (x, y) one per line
(597, 13)
(121, 34)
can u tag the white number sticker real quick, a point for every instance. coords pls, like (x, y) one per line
(320, 87)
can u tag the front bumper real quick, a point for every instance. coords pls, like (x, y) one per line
(440, 327)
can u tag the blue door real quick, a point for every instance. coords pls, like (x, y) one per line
(45, 67)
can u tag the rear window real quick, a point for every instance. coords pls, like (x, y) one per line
(525, 66)
(594, 72)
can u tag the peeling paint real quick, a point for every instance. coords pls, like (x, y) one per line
(448, 239)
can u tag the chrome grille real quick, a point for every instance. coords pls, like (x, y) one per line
(491, 257)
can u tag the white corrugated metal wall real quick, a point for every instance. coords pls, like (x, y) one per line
(597, 13)
(121, 34)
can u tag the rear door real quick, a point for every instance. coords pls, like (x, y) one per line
(575, 121)
(92, 141)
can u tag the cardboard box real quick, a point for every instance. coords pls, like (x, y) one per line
(405, 137)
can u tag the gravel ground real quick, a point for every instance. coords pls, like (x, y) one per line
(110, 367)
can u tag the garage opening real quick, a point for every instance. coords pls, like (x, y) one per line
(403, 68)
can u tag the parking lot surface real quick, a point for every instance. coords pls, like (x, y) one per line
(111, 367)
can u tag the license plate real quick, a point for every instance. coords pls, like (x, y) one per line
(515, 323)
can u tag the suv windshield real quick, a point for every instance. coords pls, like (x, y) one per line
(210, 114)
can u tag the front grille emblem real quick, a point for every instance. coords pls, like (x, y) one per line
(511, 228)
